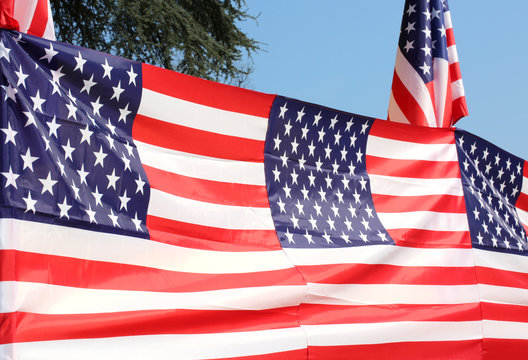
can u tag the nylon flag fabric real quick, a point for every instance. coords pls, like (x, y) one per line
(149, 214)
(427, 87)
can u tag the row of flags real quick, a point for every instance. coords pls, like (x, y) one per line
(150, 214)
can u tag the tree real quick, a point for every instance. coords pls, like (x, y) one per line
(196, 37)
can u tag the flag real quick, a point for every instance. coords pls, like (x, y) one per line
(29, 16)
(150, 214)
(427, 87)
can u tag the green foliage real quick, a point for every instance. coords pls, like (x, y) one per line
(196, 37)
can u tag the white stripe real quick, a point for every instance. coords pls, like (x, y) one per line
(404, 150)
(23, 12)
(49, 31)
(440, 84)
(503, 294)
(197, 116)
(395, 113)
(382, 254)
(452, 54)
(201, 167)
(425, 220)
(457, 89)
(505, 329)
(176, 208)
(501, 261)
(386, 294)
(161, 347)
(399, 186)
(54, 299)
(523, 215)
(82, 244)
(524, 188)
(415, 85)
(389, 332)
(447, 20)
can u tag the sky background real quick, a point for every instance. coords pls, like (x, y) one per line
(341, 54)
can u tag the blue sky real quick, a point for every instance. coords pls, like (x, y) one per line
(341, 53)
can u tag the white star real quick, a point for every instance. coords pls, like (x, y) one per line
(349, 124)
(276, 174)
(363, 183)
(126, 161)
(88, 84)
(28, 160)
(283, 110)
(305, 192)
(313, 222)
(287, 191)
(311, 149)
(91, 214)
(382, 236)
(327, 238)
(427, 14)
(72, 110)
(111, 127)
(322, 194)
(331, 223)
(364, 128)
(130, 149)
(117, 91)
(96, 106)
(427, 50)
(333, 121)
(50, 53)
(10, 178)
(287, 128)
(139, 184)
(359, 156)
(442, 31)
(10, 134)
(339, 196)
(309, 237)
(411, 9)
(425, 68)
(300, 115)
(37, 102)
(47, 184)
(410, 27)
(86, 134)
(294, 145)
(64, 208)
(369, 211)
(114, 218)
(427, 32)
(345, 182)
(97, 196)
(137, 222)
(282, 205)
(30, 203)
(124, 201)
(294, 176)
(337, 137)
(21, 77)
(79, 63)
(335, 210)
(30, 118)
(289, 236)
(68, 150)
(107, 69)
(56, 75)
(112, 179)
(284, 159)
(4, 51)
(365, 223)
(277, 142)
(436, 13)
(53, 126)
(317, 118)
(75, 190)
(295, 221)
(132, 76)
(328, 151)
(10, 92)
(321, 135)
(318, 165)
(123, 113)
(83, 174)
(300, 207)
(99, 157)
(408, 46)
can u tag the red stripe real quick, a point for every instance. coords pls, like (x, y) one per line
(209, 238)
(450, 37)
(490, 276)
(421, 169)
(405, 132)
(459, 108)
(431, 239)
(407, 103)
(525, 169)
(182, 138)
(434, 350)
(502, 349)
(90, 274)
(320, 314)
(436, 203)
(387, 274)
(448, 104)
(207, 190)
(44, 327)
(206, 92)
(522, 202)
(504, 312)
(40, 19)
(454, 72)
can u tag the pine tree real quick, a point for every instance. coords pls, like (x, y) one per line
(197, 37)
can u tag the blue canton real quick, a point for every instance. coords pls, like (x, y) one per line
(423, 35)
(492, 179)
(67, 151)
(316, 177)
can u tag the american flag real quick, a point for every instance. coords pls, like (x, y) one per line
(149, 214)
(28, 16)
(427, 87)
